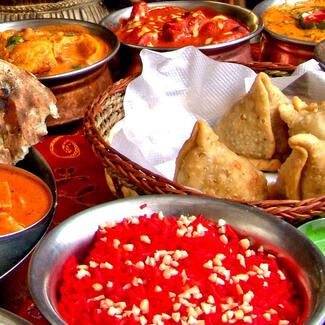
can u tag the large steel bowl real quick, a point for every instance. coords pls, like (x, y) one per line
(9, 318)
(15, 247)
(279, 48)
(235, 50)
(74, 237)
(74, 90)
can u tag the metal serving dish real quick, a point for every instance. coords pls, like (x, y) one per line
(232, 50)
(296, 251)
(15, 247)
(74, 90)
(9, 318)
(279, 48)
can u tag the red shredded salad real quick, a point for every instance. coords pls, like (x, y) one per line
(186, 270)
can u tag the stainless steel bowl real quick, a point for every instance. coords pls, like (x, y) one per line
(279, 48)
(15, 247)
(251, 20)
(266, 4)
(74, 90)
(9, 318)
(74, 237)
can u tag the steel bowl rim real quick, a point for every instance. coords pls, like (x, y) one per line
(12, 318)
(259, 25)
(65, 21)
(258, 10)
(47, 308)
(48, 222)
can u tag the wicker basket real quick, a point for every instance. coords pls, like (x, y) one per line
(89, 10)
(126, 178)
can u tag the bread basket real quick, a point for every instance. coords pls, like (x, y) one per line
(127, 178)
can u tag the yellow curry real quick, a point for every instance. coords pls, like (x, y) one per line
(51, 50)
(303, 20)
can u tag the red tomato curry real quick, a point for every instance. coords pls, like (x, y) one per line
(170, 26)
(24, 199)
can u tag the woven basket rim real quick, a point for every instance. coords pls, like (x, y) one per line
(50, 6)
(294, 211)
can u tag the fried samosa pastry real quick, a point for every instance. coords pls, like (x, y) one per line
(302, 175)
(267, 165)
(208, 165)
(252, 127)
(304, 118)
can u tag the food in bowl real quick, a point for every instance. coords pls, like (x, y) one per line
(24, 199)
(169, 26)
(54, 49)
(189, 270)
(302, 20)
(25, 106)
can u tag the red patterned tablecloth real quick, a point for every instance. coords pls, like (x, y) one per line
(80, 184)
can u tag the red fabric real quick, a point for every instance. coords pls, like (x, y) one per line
(80, 183)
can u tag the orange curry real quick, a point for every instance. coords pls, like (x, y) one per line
(24, 199)
(170, 26)
(303, 20)
(52, 50)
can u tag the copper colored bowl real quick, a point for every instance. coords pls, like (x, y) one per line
(279, 48)
(74, 90)
(235, 50)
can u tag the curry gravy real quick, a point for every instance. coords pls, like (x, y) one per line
(51, 50)
(24, 199)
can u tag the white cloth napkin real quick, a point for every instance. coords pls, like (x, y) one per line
(174, 90)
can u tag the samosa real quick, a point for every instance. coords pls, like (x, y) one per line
(304, 118)
(302, 175)
(252, 127)
(208, 165)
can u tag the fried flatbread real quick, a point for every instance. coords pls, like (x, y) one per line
(208, 165)
(24, 106)
(302, 175)
(252, 126)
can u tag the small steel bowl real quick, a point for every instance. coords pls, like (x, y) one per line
(74, 90)
(232, 50)
(279, 48)
(15, 247)
(75, 235)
